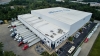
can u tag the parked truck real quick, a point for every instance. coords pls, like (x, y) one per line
(31, 43)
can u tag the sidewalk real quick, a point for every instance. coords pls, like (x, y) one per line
(86, 47)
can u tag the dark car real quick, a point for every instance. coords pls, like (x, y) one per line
(1, 22)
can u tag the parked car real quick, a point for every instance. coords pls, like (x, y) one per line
(1, 22)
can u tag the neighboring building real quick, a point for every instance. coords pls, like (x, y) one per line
(91, 3)
(4, 2)
(80, 0)
(60, 0)
(94, 4)
(54, 25)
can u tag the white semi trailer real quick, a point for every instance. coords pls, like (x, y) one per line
(31, 43)
(23, 35)
(26, 40)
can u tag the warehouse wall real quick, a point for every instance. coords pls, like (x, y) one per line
(61, 39)
(51, 20)
(76, 26)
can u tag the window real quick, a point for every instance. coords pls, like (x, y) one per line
(48, 41)
(36, 35)
(58, 42)
(84, 19)
(44, 39)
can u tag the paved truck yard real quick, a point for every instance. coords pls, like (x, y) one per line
(11, 45)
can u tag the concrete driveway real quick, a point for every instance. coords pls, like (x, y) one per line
(11, 45)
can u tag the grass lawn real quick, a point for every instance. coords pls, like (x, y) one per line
(95, 51)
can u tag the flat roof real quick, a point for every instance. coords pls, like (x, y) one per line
(65, 15)
(46, 28)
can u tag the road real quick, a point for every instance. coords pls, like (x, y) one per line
(86, 47)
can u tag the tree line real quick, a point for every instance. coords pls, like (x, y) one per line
(25, 6)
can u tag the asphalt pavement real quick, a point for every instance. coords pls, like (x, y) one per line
(11, 45)
(86, 47)
(77, 41)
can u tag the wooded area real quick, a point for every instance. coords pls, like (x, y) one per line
(25, 6)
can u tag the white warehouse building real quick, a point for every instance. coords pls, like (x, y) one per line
(54, 25)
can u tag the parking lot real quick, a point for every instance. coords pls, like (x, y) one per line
(64, 49)
(11, 45)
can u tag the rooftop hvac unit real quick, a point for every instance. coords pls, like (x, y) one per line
(51, 31)
(46, 34)
(39, 17)
(60, 31)
(52, 36)
(54, 33)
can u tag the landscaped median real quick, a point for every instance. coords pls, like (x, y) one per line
(95, 51)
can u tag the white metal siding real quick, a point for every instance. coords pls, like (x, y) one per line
(76, 26)
(61, 38)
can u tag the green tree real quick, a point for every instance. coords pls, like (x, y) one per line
(1, 45)
(45, 53)
(70, 38)
(53, 54)
(5, 53)
(8, 53)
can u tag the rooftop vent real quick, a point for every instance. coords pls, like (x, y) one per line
(46, 34)
(54, 33)
(52, 36)
(51, 31)
(60, 31)
(39, 17)
(63, 32)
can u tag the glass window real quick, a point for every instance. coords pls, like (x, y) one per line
(44, 39)
(48, 41)
(58, 42)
